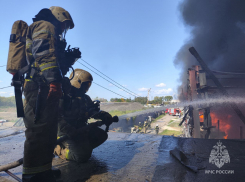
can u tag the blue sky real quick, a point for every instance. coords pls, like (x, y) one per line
(132, 42)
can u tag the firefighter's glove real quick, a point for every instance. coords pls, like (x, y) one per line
(55, 91)
(106, 118)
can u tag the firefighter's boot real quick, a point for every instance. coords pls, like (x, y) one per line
(46, 176)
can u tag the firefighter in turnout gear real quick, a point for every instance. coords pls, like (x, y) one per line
(157, 129)
(140, 127)
(45, 46)
(145, 126)
(77, 107)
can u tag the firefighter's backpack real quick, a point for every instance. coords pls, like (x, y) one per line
(17, 47)
(17, 63)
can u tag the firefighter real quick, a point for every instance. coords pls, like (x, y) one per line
(139, 127)
(42, 91)
(77, 108)
(137, 130)
(157, 129)
(145, 126)
(132, 129)
(140, 124)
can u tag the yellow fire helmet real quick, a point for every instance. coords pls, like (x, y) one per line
(62, 15)
(80, 76)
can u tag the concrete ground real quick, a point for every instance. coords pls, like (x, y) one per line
(7, 129)
(140, 158)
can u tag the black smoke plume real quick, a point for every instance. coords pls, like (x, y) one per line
(217, 31)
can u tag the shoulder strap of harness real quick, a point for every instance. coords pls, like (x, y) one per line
(17, 82)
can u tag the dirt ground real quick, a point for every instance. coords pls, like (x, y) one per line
(163, 124)
(8, 113)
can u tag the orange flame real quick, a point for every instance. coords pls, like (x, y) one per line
(223, 125)
(201, 117)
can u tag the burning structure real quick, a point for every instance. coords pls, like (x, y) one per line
(213, 119)
(217, 31)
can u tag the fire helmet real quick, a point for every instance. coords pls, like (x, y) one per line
(62, 15)
(80, 76)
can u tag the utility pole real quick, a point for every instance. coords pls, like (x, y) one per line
(148, 96)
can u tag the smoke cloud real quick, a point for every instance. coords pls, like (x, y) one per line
(217, 29)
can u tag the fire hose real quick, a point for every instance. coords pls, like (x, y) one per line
(19, 162)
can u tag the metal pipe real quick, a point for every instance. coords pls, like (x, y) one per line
(13, 176)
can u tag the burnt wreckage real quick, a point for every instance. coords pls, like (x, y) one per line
(204, 119)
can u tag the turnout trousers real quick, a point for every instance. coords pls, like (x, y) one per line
(41, 133)
(81, 150)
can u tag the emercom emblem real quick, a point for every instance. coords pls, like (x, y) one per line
(219, 155)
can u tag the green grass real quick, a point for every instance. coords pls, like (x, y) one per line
(170, 132)
(170, 122)
(173, 123)
(159, 117)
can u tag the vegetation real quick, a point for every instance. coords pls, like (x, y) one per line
(119, 113)
(143, 100)
(120, 100)
(170, 122)
(7, 101)
(157, 100)
(10, 101)
(171, 132)
(159, 117)
(168, 98)
(101, 99)
(173, 124)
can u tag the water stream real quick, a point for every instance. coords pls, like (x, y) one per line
(219, 101)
